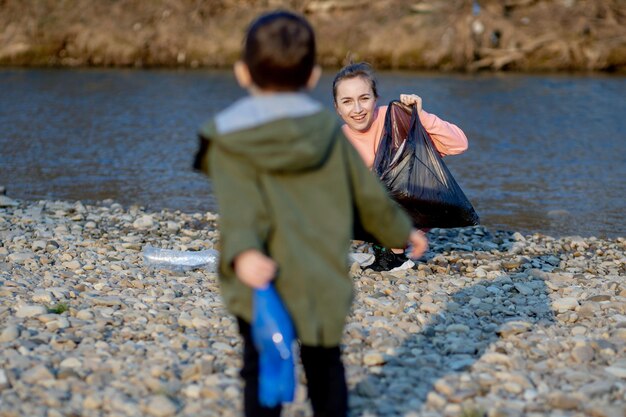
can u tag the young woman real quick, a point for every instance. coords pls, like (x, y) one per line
(355, 96)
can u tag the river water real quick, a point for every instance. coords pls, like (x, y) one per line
(547, 152)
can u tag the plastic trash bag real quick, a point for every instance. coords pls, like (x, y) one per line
(178, 260)
(274, 336)
(409, 165)
(363, 259)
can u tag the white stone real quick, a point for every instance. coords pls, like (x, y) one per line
(38, 245)
(27, 310)
(20, 257)
(72, 265)
(513, 327)
(496, 358)
(4, 381)
(59, 323)
(616, 371)
(192, 391)
(565, 304)
(9, 333)
(161, 406)
(143, 222)
(85, 315)
(200, 322)
(429, 307)
(42, 296)
(71, 363)
(37, 375)
(373, 358)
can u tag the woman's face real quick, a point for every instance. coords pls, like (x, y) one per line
(356, 103)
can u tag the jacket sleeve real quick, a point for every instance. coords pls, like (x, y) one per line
(377, 213)
(244, 223)
(448, 138)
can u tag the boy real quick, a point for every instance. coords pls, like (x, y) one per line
(289, 188)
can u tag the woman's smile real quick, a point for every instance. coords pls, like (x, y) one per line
(356, 103)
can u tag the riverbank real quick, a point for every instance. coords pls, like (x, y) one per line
(451, 35)
(489, 321)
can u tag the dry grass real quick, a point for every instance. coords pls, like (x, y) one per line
(522, 35)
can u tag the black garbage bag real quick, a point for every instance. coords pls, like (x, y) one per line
(409, 165)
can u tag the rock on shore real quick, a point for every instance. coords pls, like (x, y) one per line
(489, 322)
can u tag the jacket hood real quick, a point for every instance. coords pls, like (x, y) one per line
(277, 132)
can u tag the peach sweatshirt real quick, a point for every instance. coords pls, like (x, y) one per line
(447, 138)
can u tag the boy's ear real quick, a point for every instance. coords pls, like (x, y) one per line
(316, 73)
(242, 74)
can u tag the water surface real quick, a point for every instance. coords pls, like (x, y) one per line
(547, 152)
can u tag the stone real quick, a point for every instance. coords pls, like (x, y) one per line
(582, 354)
(523, 289)
(429, 307)
(21, 257)
(417, 342)
(37, 375)
(563, 401)
(496, 358)
(143, 222)
(72, 265)
(9, 333)
(373, 358)
(368, 389)
(42, 296)
(513, 328)
(435, 400)
(597, 388)
(86, 315)
(565, 304)
(4, 381)
(160, 406)
(27, 310)
(599, 298)
(7, 202)
(444, 388)
(457, 328)
(71, 363)
(617, 371)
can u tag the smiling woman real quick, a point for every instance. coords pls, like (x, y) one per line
(355, 97)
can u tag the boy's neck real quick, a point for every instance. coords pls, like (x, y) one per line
(257, 91)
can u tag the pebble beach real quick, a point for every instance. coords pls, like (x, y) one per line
(489, 323)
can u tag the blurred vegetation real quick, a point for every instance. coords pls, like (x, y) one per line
(59, 308)
(448, 35)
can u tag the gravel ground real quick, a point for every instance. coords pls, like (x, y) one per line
(487, 323)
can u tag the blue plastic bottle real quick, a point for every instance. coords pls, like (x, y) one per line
(274, 337)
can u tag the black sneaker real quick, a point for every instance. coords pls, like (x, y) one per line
(386, 259)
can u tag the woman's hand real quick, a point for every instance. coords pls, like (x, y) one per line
(410, 99)
(254, 269)
(418, 244)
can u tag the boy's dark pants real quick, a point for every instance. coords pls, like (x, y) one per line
(326, 380)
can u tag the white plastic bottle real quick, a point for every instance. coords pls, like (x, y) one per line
(178, 260)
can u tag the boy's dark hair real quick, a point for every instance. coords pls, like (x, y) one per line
(279, 50)
(352, 70)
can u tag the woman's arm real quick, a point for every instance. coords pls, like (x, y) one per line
(448, 138)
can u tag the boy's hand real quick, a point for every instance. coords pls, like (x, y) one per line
(410, 99)
(254, 269)
(418, 244)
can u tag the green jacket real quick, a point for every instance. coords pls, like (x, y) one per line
(289, 184)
